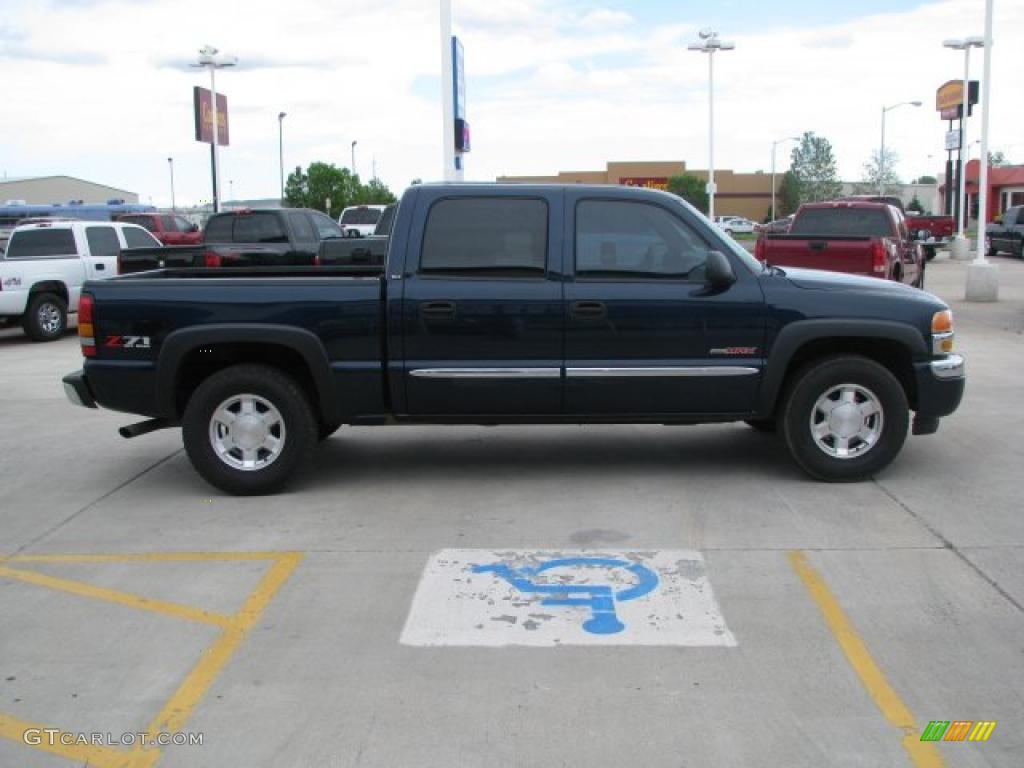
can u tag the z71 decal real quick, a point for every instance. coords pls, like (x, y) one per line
(734, 351)
(127, 342)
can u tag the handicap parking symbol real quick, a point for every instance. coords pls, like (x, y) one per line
(599, 598)
(469, 597)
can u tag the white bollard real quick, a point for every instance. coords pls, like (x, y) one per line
(982, 281)
(959, 248)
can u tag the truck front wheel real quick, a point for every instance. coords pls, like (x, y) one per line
(248, 428)
(844, 418)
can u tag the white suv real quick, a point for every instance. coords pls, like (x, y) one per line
(45, 265)
(360, 219)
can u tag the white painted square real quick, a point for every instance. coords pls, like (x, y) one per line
(658, 597)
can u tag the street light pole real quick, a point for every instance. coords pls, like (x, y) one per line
(881, 147)
(354, 158)
(208, 58)
(170, 164)
(774, 145)
(280, 148)
(710, 44)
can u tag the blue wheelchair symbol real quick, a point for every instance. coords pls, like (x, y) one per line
(599, 598)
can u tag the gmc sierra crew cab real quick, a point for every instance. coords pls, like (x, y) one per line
(861, 238)
(520, 304)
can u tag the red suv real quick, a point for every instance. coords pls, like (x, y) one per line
(169, 229)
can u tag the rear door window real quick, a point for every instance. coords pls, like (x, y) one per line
(326, 227)
(102, 241)
(492, 236)
(218, 229)
(139, 238)
(304, 231)
(42, 244)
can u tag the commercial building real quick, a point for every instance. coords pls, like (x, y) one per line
(739, 194)
(1005, 188)
(46, 190)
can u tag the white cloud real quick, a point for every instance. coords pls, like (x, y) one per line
(550, 87)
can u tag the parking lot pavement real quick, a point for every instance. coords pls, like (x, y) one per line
(137, 598)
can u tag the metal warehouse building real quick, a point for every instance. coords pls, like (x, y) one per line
(44, 190)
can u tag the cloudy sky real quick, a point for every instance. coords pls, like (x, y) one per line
(102, 90)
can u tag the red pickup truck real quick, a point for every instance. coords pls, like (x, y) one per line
(856, 237)
(931, 231)
(169, 229)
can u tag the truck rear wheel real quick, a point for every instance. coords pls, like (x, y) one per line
(46, 318)
(844, 418)
(248, 428)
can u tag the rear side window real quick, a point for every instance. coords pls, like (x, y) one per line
(143, 221)
(167, 222)
(303, 229)
(858, 222)
(42, 244)
(326, 227)
(139, 238)
(258, 228)
(492, 235)
(102, 241)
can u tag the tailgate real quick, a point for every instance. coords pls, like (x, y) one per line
(131, 260)
(853, 255)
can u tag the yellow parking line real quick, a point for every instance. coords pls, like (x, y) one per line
(15, 729)
(176, 712)
(923, 754)
(115, 596)
(144, 557)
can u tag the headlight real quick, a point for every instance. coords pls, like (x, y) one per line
(942, 332)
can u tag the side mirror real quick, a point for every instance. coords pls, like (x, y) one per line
(719, 270)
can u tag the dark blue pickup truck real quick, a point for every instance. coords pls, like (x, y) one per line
(520, 304)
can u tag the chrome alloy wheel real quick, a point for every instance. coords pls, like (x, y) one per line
(247, 432)
(49, 318)
(846, 421)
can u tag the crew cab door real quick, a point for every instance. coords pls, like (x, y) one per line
(645, 334)
(481, 309)
(100, 253)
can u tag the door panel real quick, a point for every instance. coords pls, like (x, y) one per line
(644, 334)
(482, 313)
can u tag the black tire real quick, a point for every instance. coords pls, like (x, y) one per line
(865, 378)
(768, 426)
(990, 250)
(46, 318)
(288, 418)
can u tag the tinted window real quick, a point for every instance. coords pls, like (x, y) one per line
(139, 238)
(167, 222)
(360, 216)
(636, 239)
(143, 221)
(495, 234)
(258, 228)
(861, 222)
(102, 241)
(218, 229)
(42, 243)
(387, 221)
(303, 229)
(326, 227)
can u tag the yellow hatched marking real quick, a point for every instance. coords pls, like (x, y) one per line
(982, 730)
(922, 754)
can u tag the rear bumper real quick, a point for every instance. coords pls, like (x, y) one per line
(76, 388)
(940, 386)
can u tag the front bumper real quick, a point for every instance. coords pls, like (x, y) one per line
(940, 386)
(76, 388)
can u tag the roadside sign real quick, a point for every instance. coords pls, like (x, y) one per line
(475, 597)
(952, 140)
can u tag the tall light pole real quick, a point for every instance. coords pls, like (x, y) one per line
(710, 44)
(982, 275)
(447, 94)
(354, 157)
(774, 145)
(170, 164)
(881, 147)
(280, 148)
(964, 45)
(212, 59)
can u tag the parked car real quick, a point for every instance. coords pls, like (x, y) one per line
(244, 238)
(932, 232)
(1007, 234)
(737, 225)
(45, 265)
(857, 237)
(169, 229)
(360, 220)
(777, 226)
(521, 304)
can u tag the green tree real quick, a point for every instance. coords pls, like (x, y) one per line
(880, 170)
(915, 205)
(321, 182)
(926, 180)
(691, 188)
(788, 197)
(997, 158)
(814, 166)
